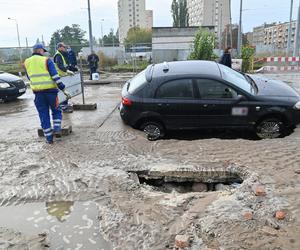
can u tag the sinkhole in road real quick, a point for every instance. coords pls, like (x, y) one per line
(189, 180)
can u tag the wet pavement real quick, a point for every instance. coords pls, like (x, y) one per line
(92, 165)
(68, 225)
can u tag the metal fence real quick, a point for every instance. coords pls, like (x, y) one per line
(134, 55)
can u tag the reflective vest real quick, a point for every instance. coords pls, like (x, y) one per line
(40, 79)
(60, 72)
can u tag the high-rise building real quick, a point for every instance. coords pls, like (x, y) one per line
(149, 19)
(209, 13)
(133, 13)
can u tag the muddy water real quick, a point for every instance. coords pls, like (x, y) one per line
(68, 224)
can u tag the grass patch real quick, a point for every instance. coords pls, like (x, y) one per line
(128, 67)
(13, 68)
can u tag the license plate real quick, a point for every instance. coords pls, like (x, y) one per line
(22, 90)
(243, 111)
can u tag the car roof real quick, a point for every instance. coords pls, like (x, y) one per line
(185, 68)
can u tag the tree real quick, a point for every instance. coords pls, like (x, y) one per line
(204, 44)
(111, 39)
(73, 36)
(137, 35)
(180, 13)
(248, 57)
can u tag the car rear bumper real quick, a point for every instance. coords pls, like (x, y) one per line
(125, 115)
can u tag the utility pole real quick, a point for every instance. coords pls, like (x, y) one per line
(27, 53)
(220, 27)
(230, 24)
(296, 48)
(90, 27)
(18, 34)
(288, 48)
(240, 41)
(102, 42)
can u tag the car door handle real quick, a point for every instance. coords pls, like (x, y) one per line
(205, 105)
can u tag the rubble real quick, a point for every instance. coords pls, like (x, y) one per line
(280, 215)
(259, 190)
(182, 241)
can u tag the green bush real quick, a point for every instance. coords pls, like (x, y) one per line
(248, 58)
(204, 44)
(12, 68)
(106, 61)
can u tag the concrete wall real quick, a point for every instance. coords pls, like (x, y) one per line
(169, 44)
(113, 52)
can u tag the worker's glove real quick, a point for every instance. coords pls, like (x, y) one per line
(71, 73)
(68, 96)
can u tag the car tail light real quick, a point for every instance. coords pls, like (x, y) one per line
(126, 101)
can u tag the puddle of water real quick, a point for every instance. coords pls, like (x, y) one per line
(69, 225)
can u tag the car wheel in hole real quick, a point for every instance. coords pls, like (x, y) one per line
(153, 130)
(270, 128)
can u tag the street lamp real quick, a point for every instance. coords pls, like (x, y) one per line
(240, 39)
(20, 53)
(288, 47)
(102, 42)
(90, 26)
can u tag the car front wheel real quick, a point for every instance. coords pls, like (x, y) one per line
(270, 128)
(153, 130)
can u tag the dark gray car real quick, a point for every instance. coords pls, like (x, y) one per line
(205, 94)
(11, 86)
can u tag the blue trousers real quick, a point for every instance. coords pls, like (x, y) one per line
(44, 101)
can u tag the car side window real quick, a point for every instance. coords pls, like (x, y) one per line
(180, 88)
(211, 89)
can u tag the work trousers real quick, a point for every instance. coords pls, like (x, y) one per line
(92, 71)
(44, 101)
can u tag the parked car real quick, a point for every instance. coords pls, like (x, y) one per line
(11, 86)
(205, 94)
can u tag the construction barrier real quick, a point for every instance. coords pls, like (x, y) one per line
(282, 59)
(284, 64)
(73, 86)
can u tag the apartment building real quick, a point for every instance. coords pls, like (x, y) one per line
(209, 13)
(277, 35)
(133, 13)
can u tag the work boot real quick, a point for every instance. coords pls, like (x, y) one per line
(49, 142)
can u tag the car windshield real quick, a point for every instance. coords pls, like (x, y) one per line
(136, 82)
(237, 79)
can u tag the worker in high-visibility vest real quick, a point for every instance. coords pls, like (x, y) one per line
(45, 82)
(62, 67)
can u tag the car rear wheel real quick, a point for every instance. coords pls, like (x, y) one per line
(270, 128)
(153, 130)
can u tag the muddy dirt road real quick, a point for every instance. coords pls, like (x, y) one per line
(79, 194)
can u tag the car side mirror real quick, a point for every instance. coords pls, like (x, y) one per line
(240, 98)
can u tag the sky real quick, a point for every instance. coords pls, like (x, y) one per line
(37, 18)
